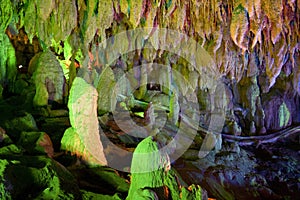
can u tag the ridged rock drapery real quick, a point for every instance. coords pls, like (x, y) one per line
(255, 45)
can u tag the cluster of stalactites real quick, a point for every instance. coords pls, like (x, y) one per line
(251, 37)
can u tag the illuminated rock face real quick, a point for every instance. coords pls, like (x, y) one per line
(49, 80)
(83, 137)
(254, 43)
(36, 177)
(153, 178)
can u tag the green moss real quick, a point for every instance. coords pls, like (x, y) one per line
(193, 192)
(15, 126)
(110, 178)
(68, 51)
(8, 69)
(4, 194)
(86, 195)
(39, 177)
(11, 149)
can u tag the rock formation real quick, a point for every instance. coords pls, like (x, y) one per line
(239, 58)
(83, 137)
(49, 80)
(254, 46)
(152, 176)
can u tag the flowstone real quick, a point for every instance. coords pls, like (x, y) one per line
(153, 178)
(83, 137)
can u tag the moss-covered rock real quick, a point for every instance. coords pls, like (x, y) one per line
(3, 193)
(152, 176)
(8, 68)
(24, 122)
(6, 11)
(4, 138)
(36, 143)
(36, 177)
(101, 180)
(10, 149)
(49, 80)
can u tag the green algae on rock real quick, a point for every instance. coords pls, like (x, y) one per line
(36, 143)
(3, 193)
(36, 177)
(86, 195)
(49, 80)
(23, 122)
(8, 70)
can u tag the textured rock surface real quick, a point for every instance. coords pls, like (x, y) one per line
(244, 173)
(23, 122)
(254, 44)
(36, 177)
(152, 176)
(83, 137)
(8, 70)
(36, 143)
(49, 80)
(105, 88)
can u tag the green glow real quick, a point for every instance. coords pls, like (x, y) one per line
(67, 50)
(142, 162)
(8, 61)
(3, 193)
(139, 114)
(284, 115)
(6, 11)
(151, 170)
(57, 46)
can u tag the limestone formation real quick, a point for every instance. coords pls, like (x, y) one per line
(23, 122)
(152, 176)
(49, 80)
(36, 177)
(83, 139)
(105, 88)
(36, 143)
(250, 46)
(246, 39)
(8, 70)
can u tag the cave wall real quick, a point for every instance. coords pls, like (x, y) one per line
(254, 43)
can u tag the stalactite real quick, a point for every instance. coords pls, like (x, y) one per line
(246, 38)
